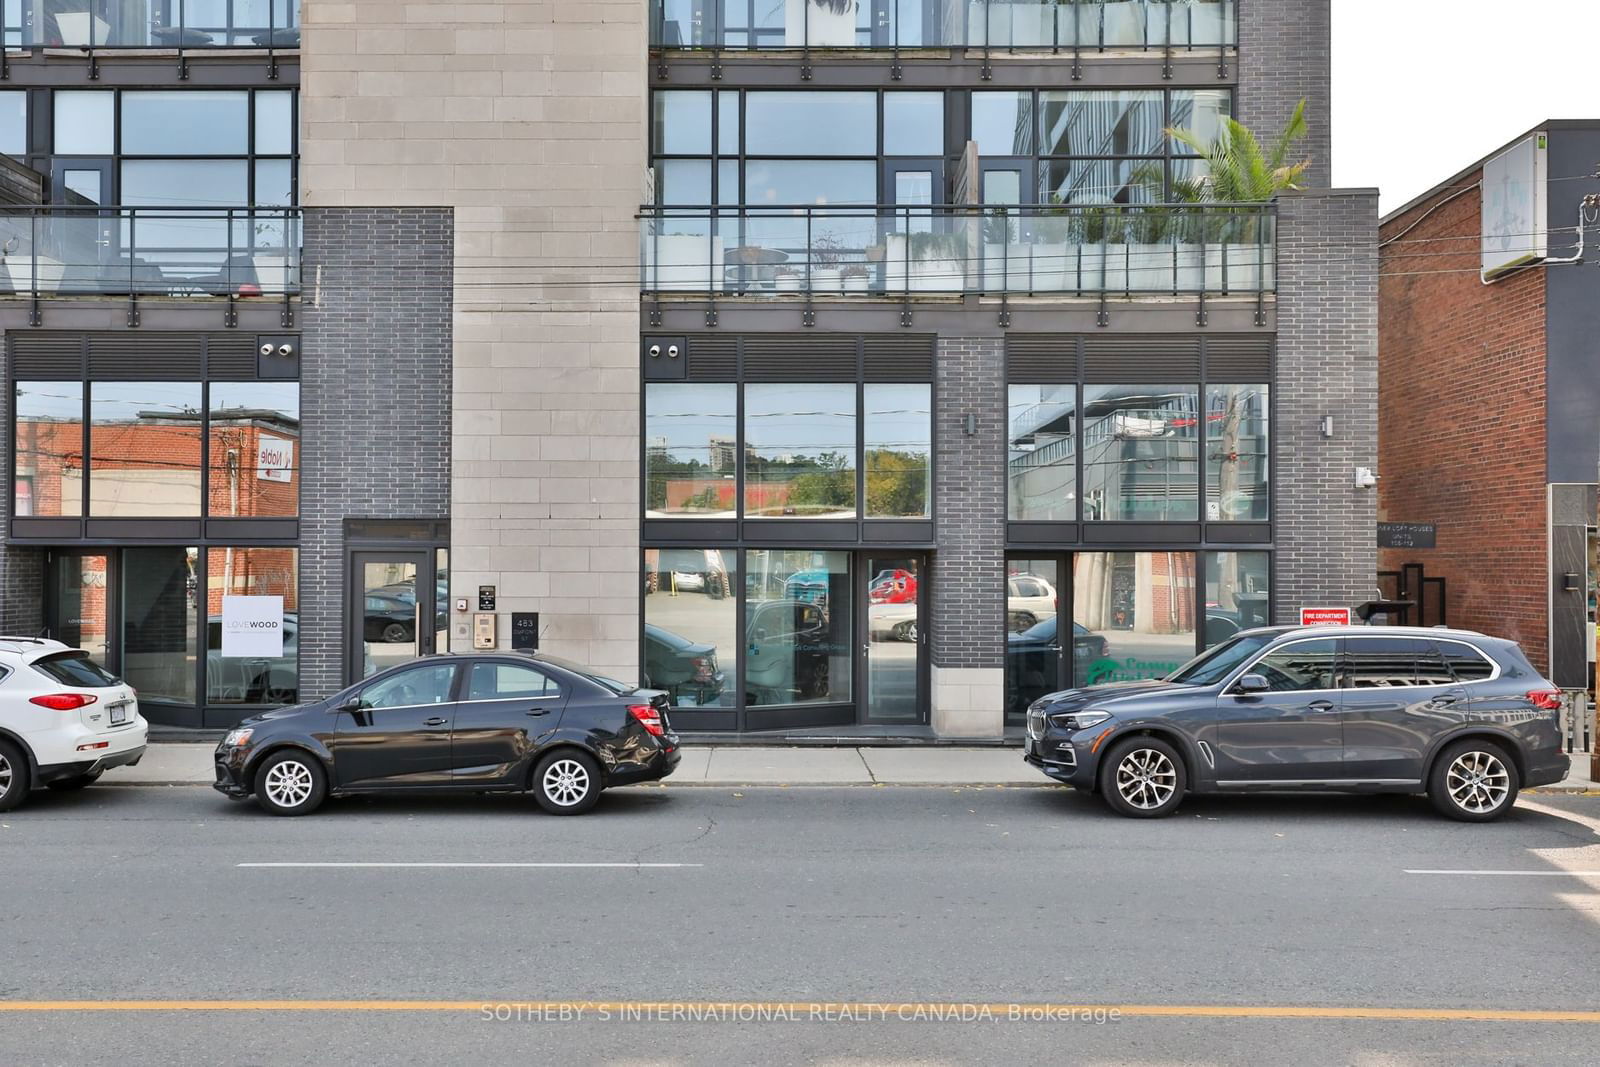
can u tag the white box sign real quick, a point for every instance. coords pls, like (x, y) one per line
(1515, 202)
(252, 627)
(274, 458)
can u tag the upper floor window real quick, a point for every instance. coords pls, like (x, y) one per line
(153, 24)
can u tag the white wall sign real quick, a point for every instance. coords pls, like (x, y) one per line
(1515, 211)
(252, 626)
(274, 458)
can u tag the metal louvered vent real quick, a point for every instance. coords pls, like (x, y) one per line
(231, 358)
(1047, 359)
(713, 359)
(1149, 358)
(776, 358)
(897, 359)
(144, 356)
(46, 355)
(1243, 359)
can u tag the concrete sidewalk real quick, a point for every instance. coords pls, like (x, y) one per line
(737, 765)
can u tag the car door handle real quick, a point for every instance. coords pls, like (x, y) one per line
(1442, 702)
(1320, 705)
(435, 721)
(538, 711)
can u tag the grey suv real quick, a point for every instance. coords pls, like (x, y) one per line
(1384, 709)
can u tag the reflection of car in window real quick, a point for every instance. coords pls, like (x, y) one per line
(685, 670)
(1033, 658)
(808, 585)
(232, 680)
(786, 652)
(1029, 599)
(893, 587)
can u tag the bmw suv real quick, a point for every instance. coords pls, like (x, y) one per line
(1459, 716)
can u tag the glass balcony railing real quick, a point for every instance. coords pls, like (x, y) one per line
(1034, 249)
(1012, 25)
(149, 251)
(152, 23)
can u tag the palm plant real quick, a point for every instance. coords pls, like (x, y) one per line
(1238, 170)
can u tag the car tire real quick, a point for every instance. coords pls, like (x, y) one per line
(1473, 781)
(77, 781)
(1018, 621)
(567, 782)
(15, 778)
(395, 633)
(291, 782)
(1143, 778)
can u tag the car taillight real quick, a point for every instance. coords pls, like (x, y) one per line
(64, 701)
(649, 717)
(702, 669)
(1545, 699)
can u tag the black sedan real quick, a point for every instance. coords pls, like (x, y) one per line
(466, 723)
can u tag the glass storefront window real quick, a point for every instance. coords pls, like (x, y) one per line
(691, 641)
(252, 572)
(1033, 645)
(799, 632)
(48, 446)
(160, 635)
(1237, 598)
(1133, 615)
(255, 449)
(1237, 440)
(1041, 456)
(144, 449)
(1141, 452)
(691, 449)
(898, 428)
(800, 450)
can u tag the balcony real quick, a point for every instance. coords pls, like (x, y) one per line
(149, 251)
(1150, 249)
(186, 24)
(1010, 25)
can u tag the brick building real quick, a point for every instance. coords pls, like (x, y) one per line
(1488, 400)
(691, 329)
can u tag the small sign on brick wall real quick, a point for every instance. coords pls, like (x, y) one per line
(1407, 534)
(1324, 616)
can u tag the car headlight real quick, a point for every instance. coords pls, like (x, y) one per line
(1079, 720)
(236, 738)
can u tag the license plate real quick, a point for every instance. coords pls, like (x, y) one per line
(119, 714)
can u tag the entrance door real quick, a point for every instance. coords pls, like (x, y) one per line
(82, 601)
(894, 614)
(87, 241)
(393, 609)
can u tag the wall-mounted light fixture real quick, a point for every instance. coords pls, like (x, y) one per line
(1327, 425)
(970, 425)
(1569, 582)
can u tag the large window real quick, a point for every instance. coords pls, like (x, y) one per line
(1042, 456)
(14, 122)
(1141, 452)
(800, 450)
(691, 643)
(1237, 440)
(1238, 588)
(144, 449)
(691, 433)
(253, 678)
(1133, 615)
(798, 627)
(160, 634)
(898, 456)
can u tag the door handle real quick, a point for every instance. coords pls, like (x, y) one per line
(538, 711)
(435, 721)
(1320, 705)
(1442, 701)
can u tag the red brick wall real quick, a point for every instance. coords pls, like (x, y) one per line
(1461, 420)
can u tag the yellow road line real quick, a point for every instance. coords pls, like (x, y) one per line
(802, 1009)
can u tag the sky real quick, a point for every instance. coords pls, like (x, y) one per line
(1423, 89)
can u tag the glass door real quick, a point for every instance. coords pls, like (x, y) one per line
(394, 609)
(892, 668)
(82, 603)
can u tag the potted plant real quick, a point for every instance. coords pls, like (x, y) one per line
(1054, 252)
(825, 258)
(937, 262)
(1005, 258)
(786, 280)
(681, 260)
(820, 23)
(855, 278)
(1151, 264)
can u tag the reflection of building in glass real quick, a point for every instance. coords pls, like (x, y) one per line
(1142, 592)
(1140, 452)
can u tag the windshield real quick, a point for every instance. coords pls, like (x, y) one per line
(584, 672)
(1212, 666)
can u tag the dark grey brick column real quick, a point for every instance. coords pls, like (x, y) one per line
(1284, 57)
(1327, 365)
(21, 569)
(968, 609)
(375, 397)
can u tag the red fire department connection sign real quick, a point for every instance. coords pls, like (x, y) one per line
(1324, 616)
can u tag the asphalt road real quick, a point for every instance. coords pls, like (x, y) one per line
(1230, 915)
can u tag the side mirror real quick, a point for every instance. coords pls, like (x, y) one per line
(1251, 683)
(353, 704)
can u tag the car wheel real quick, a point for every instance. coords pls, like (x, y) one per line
(14, 776)
(1018, 621)
(905, 631)
(77, 781)
(291, 782)
(567, 782)
(395, 633)
(1473, 781)
(1143, 778)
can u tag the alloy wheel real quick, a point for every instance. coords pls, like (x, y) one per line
(289, 783)
(566, 782)
(1146, 778)
(1478, 782)
(6, 775)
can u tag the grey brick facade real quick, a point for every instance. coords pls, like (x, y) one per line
(968, 627)
(1285, 49)
(375, 398)
(1327, 364)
